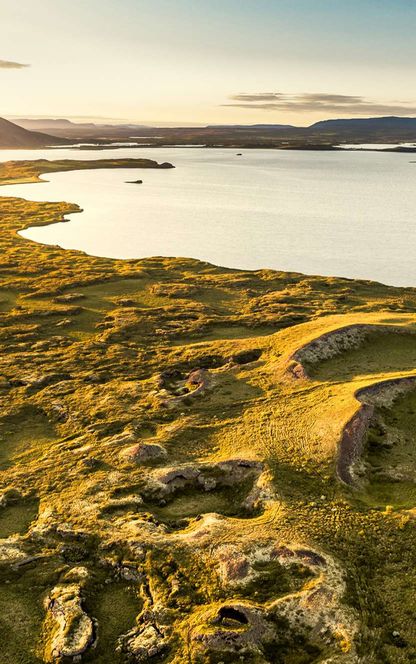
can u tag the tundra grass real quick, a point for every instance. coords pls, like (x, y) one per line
(85, 343)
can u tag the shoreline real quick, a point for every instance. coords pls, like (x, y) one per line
(238, 146)
(13, 173)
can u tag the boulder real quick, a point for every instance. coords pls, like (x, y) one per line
(143, 452)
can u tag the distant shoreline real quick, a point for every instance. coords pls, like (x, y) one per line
(99, 147)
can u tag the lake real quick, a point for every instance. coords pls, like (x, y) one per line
(349, 214)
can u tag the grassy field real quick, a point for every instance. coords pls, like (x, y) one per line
(143, 523)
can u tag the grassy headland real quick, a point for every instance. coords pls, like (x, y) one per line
(170, 432)
(14, 172)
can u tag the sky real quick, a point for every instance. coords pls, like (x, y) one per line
(207, 61)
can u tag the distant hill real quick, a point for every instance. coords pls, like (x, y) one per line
(366, 125)
(44, 123)
(62, 123)
(13, 136)
(78, 130)
(254, 126)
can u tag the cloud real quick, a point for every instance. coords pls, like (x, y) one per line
(6, 64)
(318, 102)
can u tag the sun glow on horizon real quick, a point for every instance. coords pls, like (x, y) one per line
(226, 62)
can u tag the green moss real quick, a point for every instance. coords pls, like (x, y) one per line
(21, 616)
(115, 609)
(16, 519)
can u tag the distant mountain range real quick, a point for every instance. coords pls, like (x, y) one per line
(68, 129)
(392, 123)
(48, 123)
(321, 135)
(254, 126)
(14, 136)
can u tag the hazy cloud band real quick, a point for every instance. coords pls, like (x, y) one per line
(319, 102)
(7, 64)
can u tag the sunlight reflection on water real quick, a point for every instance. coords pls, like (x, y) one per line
(333, 213)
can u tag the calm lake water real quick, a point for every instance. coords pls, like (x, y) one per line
(341, 213)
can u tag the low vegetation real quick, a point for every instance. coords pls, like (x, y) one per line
(170, 451)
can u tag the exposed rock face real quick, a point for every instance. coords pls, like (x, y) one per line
(334, 343)
(234, 565)
(205, 476)
(261, 494)
(171, 479)
(352, 443)
(69, 630)
(384, 393)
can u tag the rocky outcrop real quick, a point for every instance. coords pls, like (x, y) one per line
(334, 343)
(195, 384)
(142, 453)
(385, 392)
(261, 494)
(313, 614)
(208, 476)
(352, 442)
(234, 629)
(12, 553)
(145, 641)
(239, 565)
(353, 437)
(69, 630)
